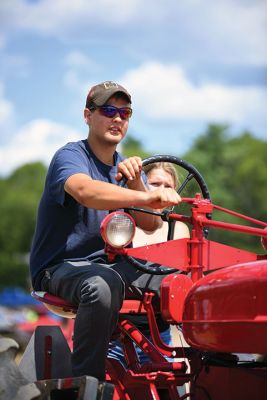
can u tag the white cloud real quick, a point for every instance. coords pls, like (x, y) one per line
(36, 141)
(106, 37)
(227, 31)
(78, 59)
(238, 29)
(164, 92)
(52, 17)
(78, 65)
(71, 79)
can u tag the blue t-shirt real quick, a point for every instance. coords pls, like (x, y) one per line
(65, 229)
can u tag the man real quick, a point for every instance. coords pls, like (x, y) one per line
(67, 257)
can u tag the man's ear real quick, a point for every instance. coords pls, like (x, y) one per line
(87, 114)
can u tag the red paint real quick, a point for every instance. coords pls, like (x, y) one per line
(224, 311)
(227, 310)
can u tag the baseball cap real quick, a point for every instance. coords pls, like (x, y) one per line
(99, 94)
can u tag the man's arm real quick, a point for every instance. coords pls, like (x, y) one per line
(107, 196)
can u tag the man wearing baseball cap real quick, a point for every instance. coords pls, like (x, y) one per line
(67, 257)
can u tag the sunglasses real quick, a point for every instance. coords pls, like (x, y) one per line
(111, 111)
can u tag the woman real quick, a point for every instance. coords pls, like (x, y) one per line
(160, 174)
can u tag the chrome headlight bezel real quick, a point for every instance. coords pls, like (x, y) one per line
(118, 229)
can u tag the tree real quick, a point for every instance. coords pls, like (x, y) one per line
(235, 169)
(20, 194)
(133, 147)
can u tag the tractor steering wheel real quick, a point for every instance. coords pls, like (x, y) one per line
(192, 173)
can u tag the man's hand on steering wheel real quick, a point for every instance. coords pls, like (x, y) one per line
(131, 169)
(163, 198)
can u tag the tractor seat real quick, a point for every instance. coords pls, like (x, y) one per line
(60, 307)
(174, 289)
(55, 304)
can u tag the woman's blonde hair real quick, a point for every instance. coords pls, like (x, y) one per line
(167, 167)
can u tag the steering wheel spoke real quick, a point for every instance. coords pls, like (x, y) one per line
(185, 182)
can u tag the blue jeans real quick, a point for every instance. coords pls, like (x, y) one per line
(115, 350)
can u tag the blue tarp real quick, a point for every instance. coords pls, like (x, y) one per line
(13, 297)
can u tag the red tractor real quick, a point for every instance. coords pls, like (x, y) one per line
(215, 293)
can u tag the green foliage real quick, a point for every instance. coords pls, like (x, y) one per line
(20, 195)
(133, 147)
(235, 170)
(13, 271)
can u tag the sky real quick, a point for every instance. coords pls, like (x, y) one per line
(186, 64)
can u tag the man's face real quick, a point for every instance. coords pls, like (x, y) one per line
(107, 130)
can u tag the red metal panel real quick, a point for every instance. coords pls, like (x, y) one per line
(173, 253)
(227, 310)
(217, 255)
(173, 291)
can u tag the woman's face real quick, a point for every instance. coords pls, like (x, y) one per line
(158, 177)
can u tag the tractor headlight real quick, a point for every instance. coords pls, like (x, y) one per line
(118, 229)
